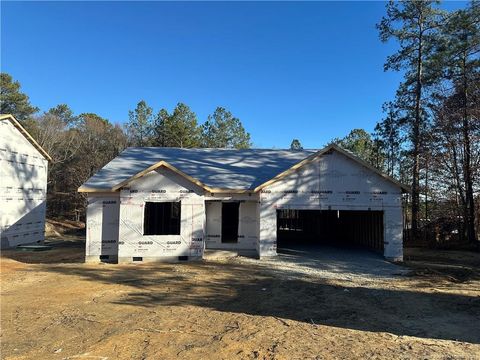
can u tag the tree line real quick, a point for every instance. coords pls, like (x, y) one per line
(429, 137)
(81, 144)
(180, 128)
(432, 126)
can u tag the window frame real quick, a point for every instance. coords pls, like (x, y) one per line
(144, 213)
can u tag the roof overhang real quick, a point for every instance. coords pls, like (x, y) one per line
(26, 134)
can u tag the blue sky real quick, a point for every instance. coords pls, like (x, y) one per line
(311, 71)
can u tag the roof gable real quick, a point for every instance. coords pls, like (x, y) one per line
(319, 153)
(25, 133)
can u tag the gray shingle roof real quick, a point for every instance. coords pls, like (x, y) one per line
(216, 168)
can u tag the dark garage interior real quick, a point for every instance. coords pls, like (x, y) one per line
(343, 228)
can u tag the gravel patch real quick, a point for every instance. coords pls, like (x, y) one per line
(330, 263)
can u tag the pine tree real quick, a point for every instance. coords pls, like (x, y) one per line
(223, 130)
(414, 25)
(180, 129)
(12, 100)
(458, 58)
(390, 139)
(140, 125)
(296, 145)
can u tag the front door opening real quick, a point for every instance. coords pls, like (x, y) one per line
(230, 222)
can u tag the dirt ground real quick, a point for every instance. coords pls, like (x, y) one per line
(53, 306)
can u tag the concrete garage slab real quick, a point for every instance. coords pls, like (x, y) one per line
(332, 263)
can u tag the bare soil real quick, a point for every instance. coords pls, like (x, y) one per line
(53, 306)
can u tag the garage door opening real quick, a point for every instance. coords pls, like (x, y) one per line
(330, 227)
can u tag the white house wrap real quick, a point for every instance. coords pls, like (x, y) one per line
(171, 204)
(23, 185)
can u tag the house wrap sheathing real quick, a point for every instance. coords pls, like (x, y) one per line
(23, 185)
(172, 204)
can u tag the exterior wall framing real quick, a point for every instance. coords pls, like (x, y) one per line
(333, 182)
(160, 185)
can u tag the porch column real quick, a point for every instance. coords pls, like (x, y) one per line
(267, 240)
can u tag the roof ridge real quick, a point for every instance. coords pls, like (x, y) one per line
(221, 149)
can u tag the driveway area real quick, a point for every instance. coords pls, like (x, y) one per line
(329, 262)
